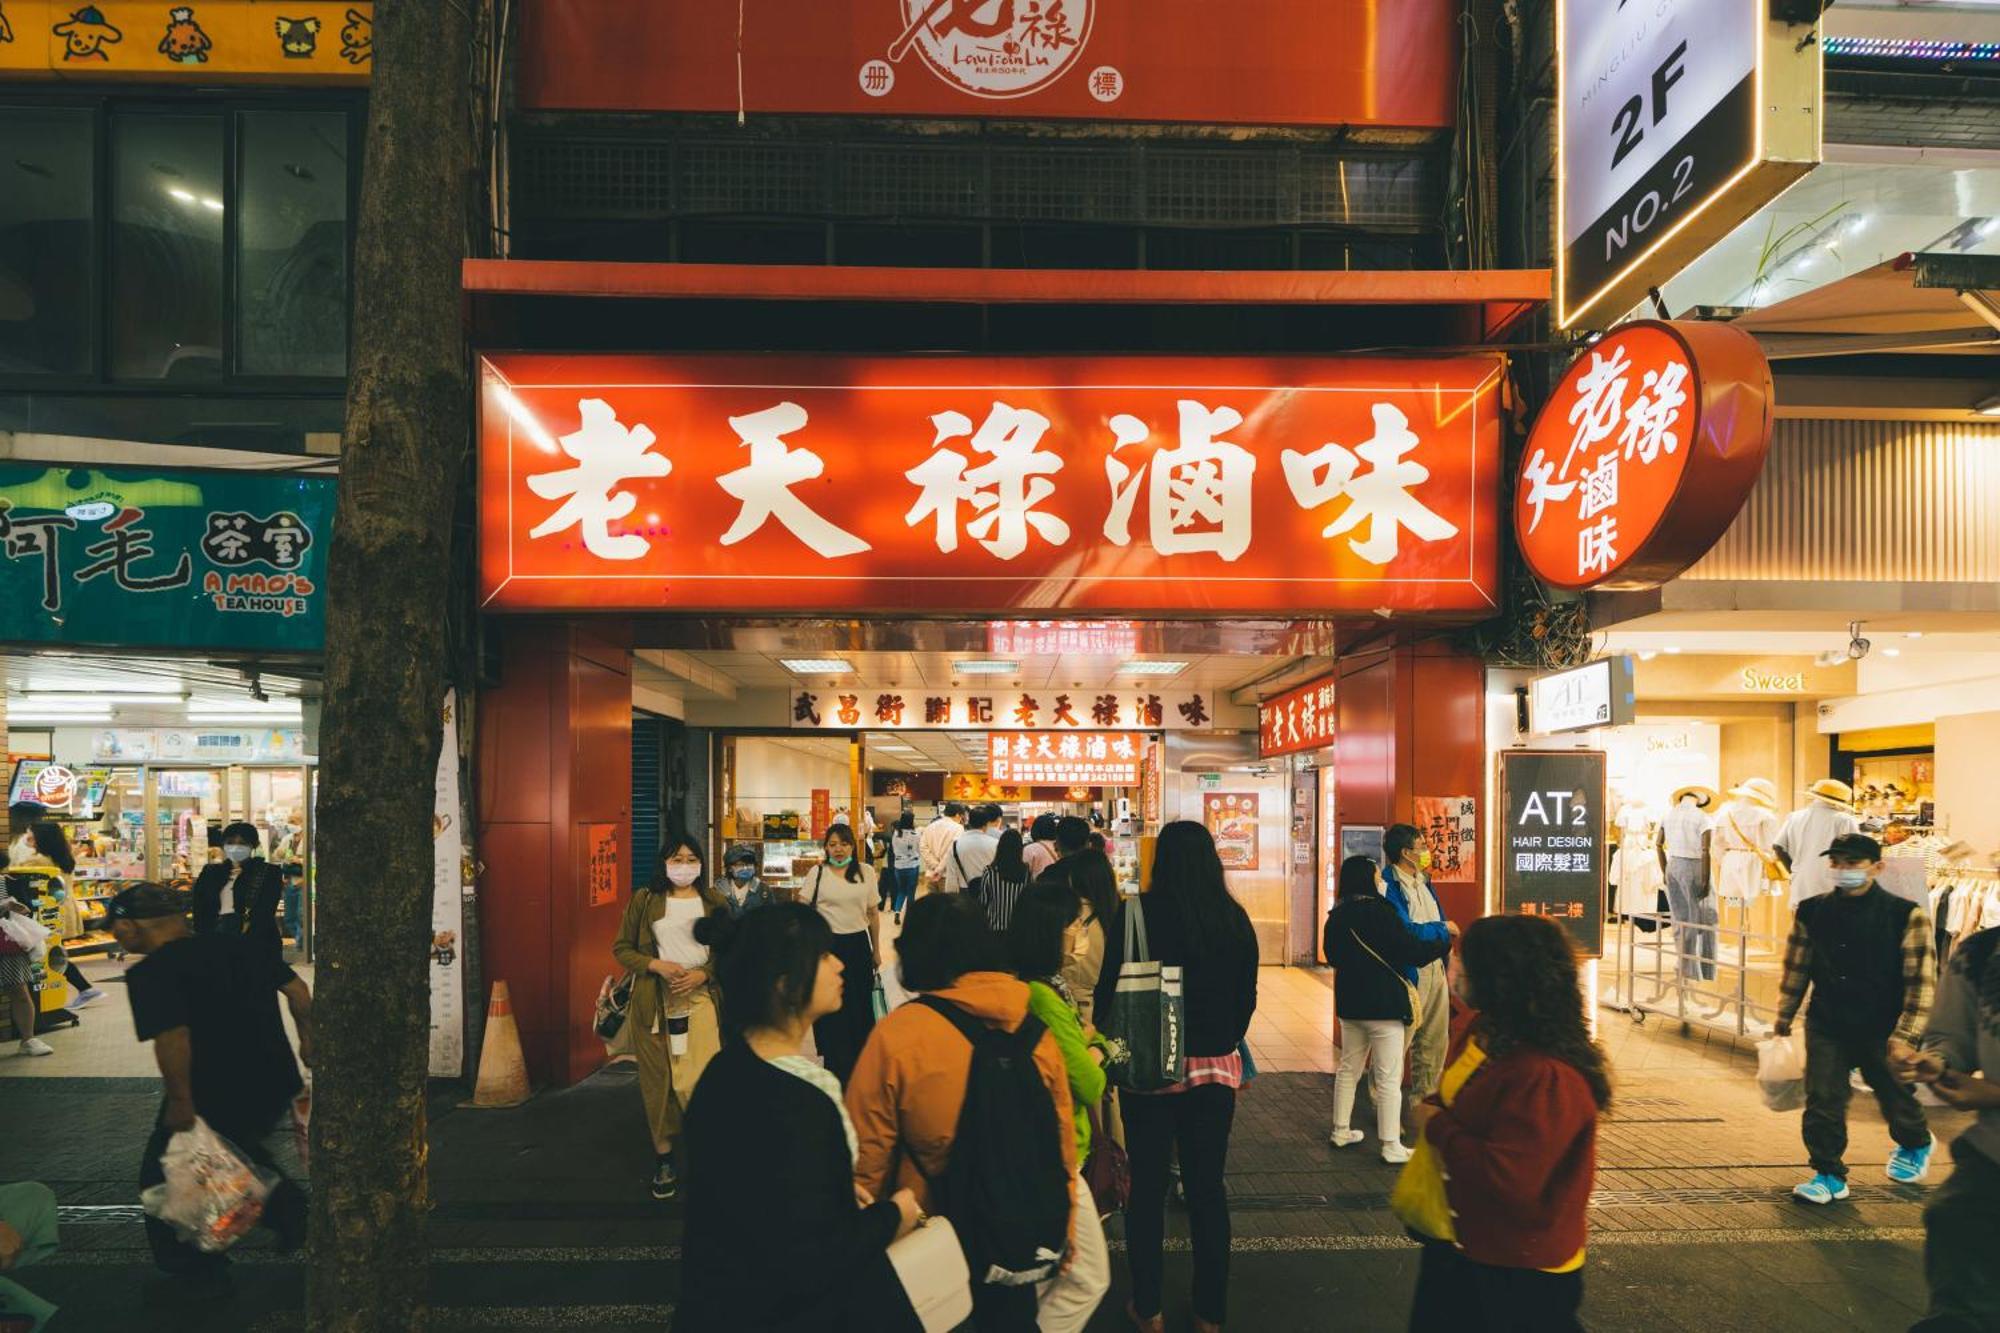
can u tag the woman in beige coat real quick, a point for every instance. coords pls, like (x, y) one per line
(672, 1017)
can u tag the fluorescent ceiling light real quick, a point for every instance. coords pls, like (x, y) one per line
(985, 668)
(816, 666)
(215, 204)
(1670, 651)
(1151, 669)
(286, 708)
(185, 196)
(19, 715)
(83, 684)
(1892, 652)
(224, 715)
(36, 698)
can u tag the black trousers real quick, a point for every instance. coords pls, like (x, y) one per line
(841, 1034)
(1456, 1294)
(284, 1210)
(1829, 1058)
(1197, 1123)
(1961, 1240)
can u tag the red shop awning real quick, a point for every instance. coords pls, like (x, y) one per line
(1492, 299)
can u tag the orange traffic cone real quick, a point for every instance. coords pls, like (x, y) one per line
(503, 1077)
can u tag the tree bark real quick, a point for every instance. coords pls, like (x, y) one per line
(390, 587)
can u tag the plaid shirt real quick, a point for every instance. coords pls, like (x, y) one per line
(1919, 975)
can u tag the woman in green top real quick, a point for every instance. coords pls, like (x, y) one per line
(1035, 937)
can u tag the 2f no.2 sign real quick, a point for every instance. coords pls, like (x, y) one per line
(1627, 133)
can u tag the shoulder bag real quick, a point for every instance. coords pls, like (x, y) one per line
(1147, 1013)
(1106, 1171)
(1774, 869)
(1416, 1003)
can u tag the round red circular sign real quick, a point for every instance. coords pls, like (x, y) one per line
(1643, 455)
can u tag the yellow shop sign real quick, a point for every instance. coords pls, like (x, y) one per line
(206, 41)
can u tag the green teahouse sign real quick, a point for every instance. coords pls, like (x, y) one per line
(174, 559)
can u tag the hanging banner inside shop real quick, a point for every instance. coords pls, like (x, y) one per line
(1300, 719)
(1288, 62)
(318, 41)
(1450, 825)
(980, 787)
(1150, 784)
(968, 485)
(178, 559)
(1643, 455)
(1009, 710)
(1065, 759)
(1231, 818)
(448, 884)
(1675, 122)
(171, 744)
(1596, 694)
(1553, 854)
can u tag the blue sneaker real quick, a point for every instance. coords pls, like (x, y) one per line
(1910, 1166)
(1821, 1189)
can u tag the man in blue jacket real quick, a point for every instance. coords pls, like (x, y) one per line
(1408, 887)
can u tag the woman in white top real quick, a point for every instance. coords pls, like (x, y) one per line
(672, 1014)
(906, 859)
(844, 891)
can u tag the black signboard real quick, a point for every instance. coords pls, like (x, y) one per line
(1553, 853)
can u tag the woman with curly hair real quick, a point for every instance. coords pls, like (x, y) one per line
(1508, 1144)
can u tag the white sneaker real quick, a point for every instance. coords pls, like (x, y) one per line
(36, 1046)
(1394, 1153)
(88, 997)
(1345, 1138)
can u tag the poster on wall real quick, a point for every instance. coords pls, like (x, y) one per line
(1231, 817)
(1450, 825)
(447, 1053)
(600, 871)
(822, 812)
(1552, 852)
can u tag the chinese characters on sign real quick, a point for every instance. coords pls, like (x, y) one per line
(601, 874)
(1627, 476)
(1231, 817)
(1450, 826)
(188, 559)
(1115, 484)
(450, 876)
(1552, 851)
(1088, 638)
(830, 709)
(1065, 759)
(1299, 719)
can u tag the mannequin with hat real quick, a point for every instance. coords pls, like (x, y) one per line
(1745, 865)
(1827, 814)
(1685, 835)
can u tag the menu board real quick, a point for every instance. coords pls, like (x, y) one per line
(1553, 852)
(1231, 817)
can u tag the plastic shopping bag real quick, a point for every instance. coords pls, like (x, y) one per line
(213, 1195)
(28, 935)
(1781, 1074)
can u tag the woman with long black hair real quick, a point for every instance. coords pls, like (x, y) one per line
(672, 1014)
(847, 894)
(1500, 1186)
(1192, 922)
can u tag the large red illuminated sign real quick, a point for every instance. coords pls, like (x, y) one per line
(967, 485)
(1067, 758)
(1643, 455)
(1297, 62)
(1300, 719)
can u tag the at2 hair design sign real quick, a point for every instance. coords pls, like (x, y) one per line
(1553, 854)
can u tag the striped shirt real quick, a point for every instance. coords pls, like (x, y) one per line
(999, 895)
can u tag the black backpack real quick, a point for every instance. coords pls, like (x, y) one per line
(1005, 1189)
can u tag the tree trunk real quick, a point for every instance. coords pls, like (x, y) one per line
(390, 590)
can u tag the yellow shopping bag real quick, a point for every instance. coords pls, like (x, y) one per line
(1419, 1200)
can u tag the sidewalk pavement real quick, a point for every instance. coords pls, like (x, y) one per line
(543, 1220)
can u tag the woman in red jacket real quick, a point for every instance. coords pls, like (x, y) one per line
(1509, 1141)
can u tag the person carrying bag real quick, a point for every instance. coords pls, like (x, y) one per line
(1146, 1017)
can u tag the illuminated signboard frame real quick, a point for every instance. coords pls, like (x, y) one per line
(1783, 144)
(1603, 696)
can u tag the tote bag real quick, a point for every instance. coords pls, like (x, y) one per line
(930, 1265)
(1147, 1013)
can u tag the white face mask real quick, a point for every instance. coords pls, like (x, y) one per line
(237, 853)
(680, 874)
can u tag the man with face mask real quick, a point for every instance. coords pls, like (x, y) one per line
(1407, 886)
(741, 887)
(1867, 957)
(241, 893)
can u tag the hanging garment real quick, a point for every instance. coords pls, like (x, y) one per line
(1807, 833)
(1742, 843)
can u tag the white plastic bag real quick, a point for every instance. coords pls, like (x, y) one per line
(31, 935)
(1781, 1074)
(213, 1195)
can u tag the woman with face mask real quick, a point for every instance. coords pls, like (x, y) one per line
(742, 889)
(847, 893)
(1406, 883)
(672, 1016)
(241, 894)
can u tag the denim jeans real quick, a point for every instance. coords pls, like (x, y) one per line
(1694, 918)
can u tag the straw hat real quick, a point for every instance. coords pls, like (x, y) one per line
(1760, 790)
(1832, 791)
(1703, 796)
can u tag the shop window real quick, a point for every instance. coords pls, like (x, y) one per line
(291, 243)
(167, 219)
(46, 184)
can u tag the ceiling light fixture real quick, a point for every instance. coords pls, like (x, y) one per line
(977, 667)
(83, 684)
(1914, 634)
(24, 717)
(1151, 669)
(36, 698)
(1671, 651)
(185, 196)
(1892, 652)
(817, 666)
(1648, 654)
